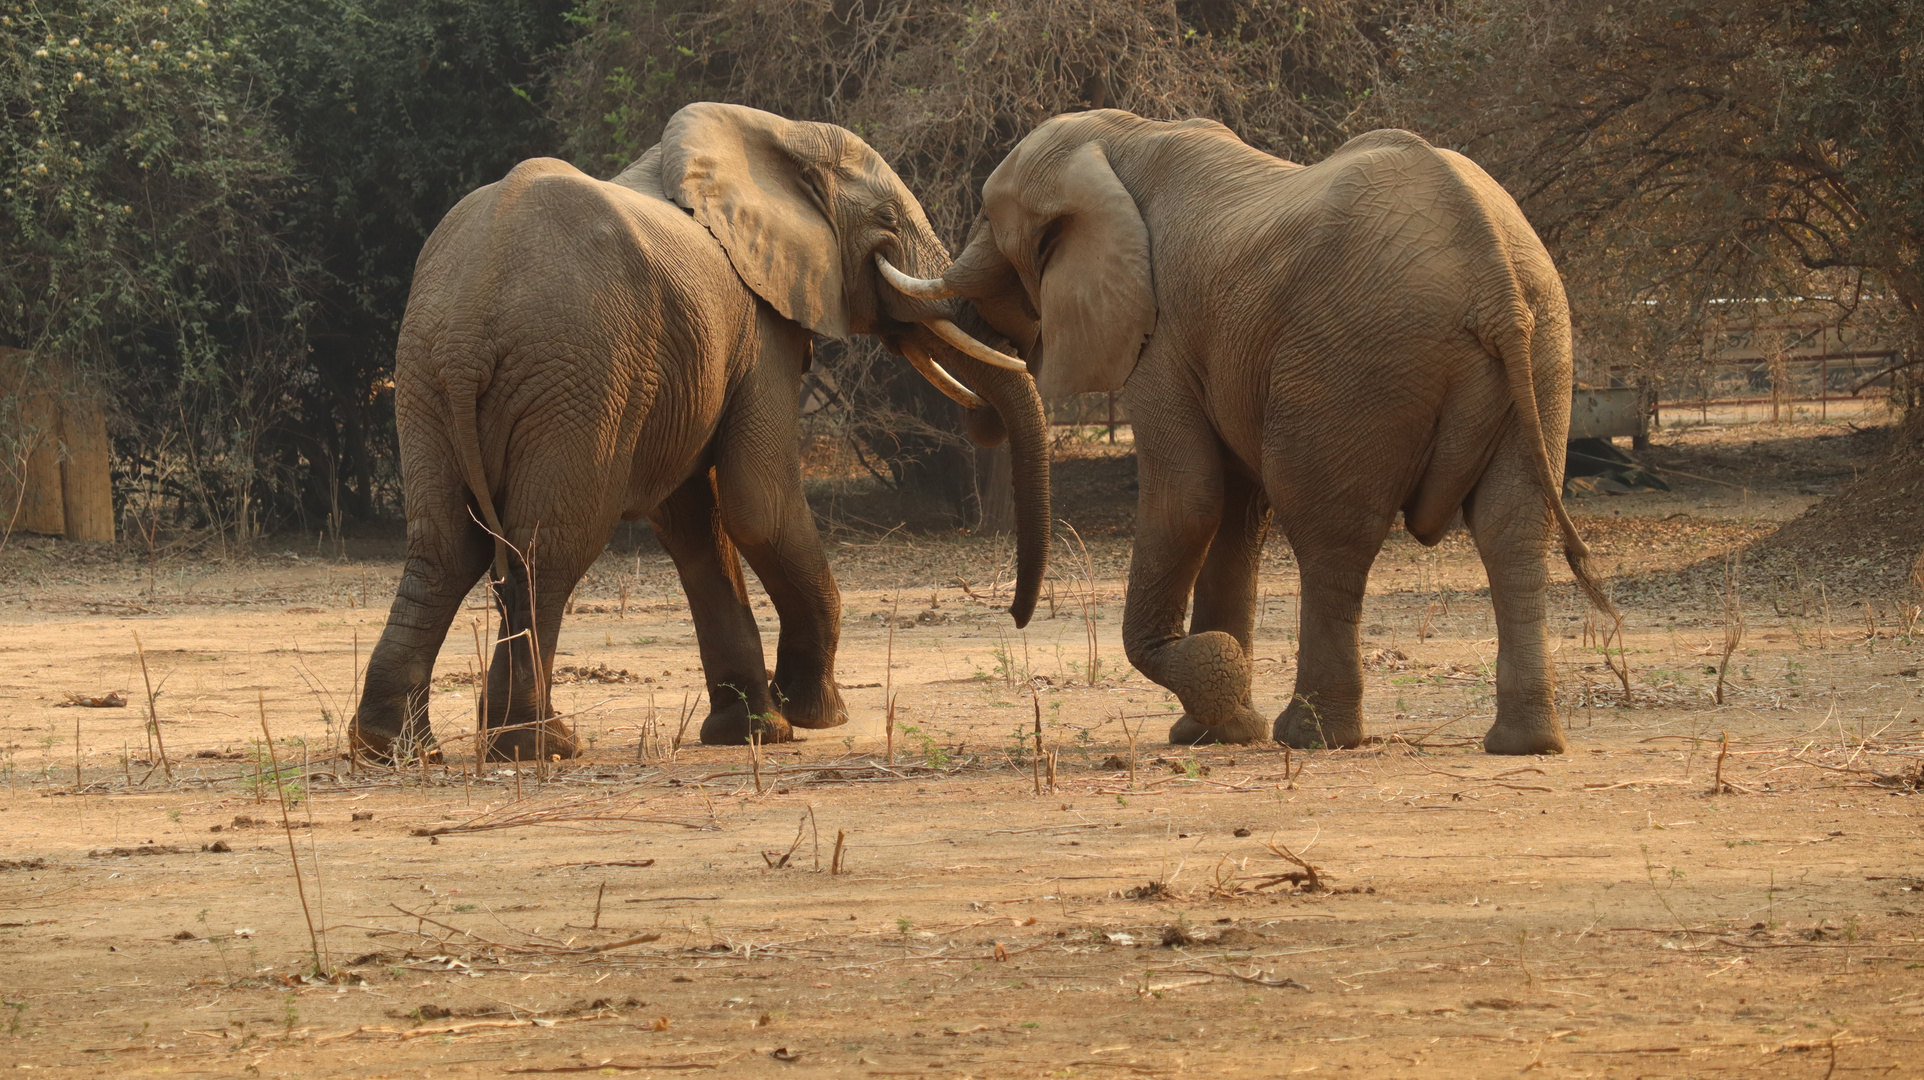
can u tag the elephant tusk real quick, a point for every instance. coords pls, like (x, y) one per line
(940, 378)
(960, 338)
(920, 288)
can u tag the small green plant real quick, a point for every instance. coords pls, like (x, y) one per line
(1005, 663)
(934, 755)
(173, 815)
(19, 1013)
(903, 925)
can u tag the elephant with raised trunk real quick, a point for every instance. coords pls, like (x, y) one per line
(1324, 345)
(578, 351)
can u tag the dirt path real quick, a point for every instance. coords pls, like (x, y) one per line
(1596, 914)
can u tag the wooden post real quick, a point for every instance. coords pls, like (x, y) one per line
(86, 470)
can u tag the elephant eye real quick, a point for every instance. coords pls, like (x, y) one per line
(885, 216)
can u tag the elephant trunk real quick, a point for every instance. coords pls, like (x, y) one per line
(1013, 396)
(948, 335)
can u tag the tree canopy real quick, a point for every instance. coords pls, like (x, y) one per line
(211, 208)
(1678, 156)
(943, 91)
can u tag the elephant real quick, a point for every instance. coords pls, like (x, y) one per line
(577, 352)
(1324, 345)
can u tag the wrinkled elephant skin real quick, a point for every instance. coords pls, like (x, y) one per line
(578, 351)
(1320, 347)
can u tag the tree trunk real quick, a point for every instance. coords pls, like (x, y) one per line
(995, 494)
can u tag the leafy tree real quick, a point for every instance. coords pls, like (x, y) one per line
(394, 110)
(141, 246)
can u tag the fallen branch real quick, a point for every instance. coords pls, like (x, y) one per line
(1262, 979)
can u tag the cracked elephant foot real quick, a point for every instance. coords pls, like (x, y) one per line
(1525, 738)
(730, 725)
(532, 742)
(1243, 727)
(1210, 675)
(817, 704)
(1309, 725)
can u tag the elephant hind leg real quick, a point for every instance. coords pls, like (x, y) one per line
(447, 554)
(520, 724)
(1512, 528)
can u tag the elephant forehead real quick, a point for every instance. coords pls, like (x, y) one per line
(834, 148)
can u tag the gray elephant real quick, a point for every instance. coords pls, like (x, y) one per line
(1379, 332)
(578, 351)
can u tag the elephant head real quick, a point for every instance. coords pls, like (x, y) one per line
(1059, 261)
(818, 225)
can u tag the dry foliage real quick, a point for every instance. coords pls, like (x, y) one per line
(943, 92)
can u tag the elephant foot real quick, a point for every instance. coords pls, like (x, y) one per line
(1243, 727)
(815, 706)
(1517, 739)
(531, 742)
(388, 730)
(730, 725)
(1207, 672)
(383, 749)
(1308, 725)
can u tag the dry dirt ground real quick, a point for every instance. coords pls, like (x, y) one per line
(659, 911)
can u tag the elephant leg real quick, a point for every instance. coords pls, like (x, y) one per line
(1179, 508)
(758, 478)
(1225, 599)
(689, 525)
(1334, 552)
(520, 724)
(1512, 528)
(447, 554)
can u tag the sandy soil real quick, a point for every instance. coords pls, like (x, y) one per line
(655, 911)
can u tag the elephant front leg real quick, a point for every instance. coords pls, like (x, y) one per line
(1177, 516)
(1226, 587)
(788, 559)
(758, 478)
(1512, 528)
(739, 704)
(1326, 709)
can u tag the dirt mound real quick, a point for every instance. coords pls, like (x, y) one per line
(1866, 538)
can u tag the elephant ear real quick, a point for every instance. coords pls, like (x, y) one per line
(749, 177)
(644, 175)
(1097, 299)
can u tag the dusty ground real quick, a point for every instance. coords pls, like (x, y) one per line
(1602, 913)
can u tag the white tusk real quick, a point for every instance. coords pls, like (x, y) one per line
(939, 377)
(920, 288)
(960, 338)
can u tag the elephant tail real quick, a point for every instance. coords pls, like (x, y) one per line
(467, 447)
(1513, 336)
